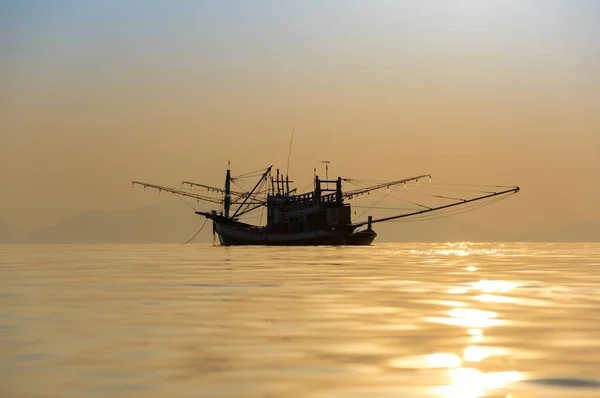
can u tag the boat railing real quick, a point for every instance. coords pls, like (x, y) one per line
(310, 196)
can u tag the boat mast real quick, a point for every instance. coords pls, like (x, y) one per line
(227, 201)
(326, 171)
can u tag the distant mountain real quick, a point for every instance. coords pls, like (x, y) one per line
(175, 222)
(11, 234)
(579, 231)
(162, 222)
(439, 230)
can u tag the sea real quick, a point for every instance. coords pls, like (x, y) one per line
(460, 320)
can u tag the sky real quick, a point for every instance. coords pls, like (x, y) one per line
(96, 94)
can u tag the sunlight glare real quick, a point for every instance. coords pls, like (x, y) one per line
(472, 383)
(488, 286)
(475, 353)
(490, 298)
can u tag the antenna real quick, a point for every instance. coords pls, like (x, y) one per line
(290, 152)
(326, 168)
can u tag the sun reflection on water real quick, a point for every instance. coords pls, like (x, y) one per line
(468, 317)
(468, 382)
(472, 383)
(475, 353)
(489, 298)
(490, 286)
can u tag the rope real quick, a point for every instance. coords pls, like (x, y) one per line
(440, 196)
(196, 233)
(251, 174)
(262, 211)
(383, 208)
(434, 186)
(453, 212)
(306, 187)
(380, 199)
(408, 201)
(189, 205)
(473, 185)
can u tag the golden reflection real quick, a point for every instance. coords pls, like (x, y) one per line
(472, 383)
(474, 353)
(456, 291)
(468, 382)
(489, 298)
(445, 303)
(470, 318)
(456, 252)
(463, 249)
(476, 335)
(443, 360)
(436, 360)
(488, 286)
(473, 318)
(471, 313)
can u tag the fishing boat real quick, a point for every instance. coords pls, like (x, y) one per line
(321, 216)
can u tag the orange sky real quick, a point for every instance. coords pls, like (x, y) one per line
(506, 94)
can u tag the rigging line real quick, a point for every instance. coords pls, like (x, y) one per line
(258, 186)
(473, 185)
(383, 208)
(455, 212)
(445, 215)
(304, 189)
(238, 184)
(196, 233)
(405, 215)
(262, 211)
(467, 209)
(180, 198)
(439, 196)
(365, 182)
(380, 199)
(257, 172)
(406, 200)
(245, 217)
(430, 186)
(290, 152)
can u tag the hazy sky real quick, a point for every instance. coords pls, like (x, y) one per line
(95, 94)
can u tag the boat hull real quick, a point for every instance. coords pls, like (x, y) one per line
(233, 235)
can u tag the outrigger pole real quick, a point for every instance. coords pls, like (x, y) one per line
(371, 221)
(180, 192)
(383, 185)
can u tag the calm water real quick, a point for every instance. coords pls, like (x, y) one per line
(390, 320)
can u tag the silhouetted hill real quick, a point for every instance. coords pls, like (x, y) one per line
(11, 234)
(439, 230)
(579, 231)
(162, 222)
(175, 222)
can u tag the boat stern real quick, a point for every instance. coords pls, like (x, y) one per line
(362, 238)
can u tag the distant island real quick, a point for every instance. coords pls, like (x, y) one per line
(170, 222)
